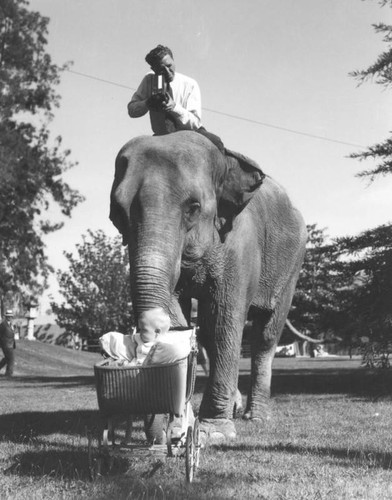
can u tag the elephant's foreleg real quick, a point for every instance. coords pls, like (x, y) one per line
(223, 344)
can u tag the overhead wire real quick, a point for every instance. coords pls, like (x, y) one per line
(229, 115)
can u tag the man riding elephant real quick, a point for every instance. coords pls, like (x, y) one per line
(176, 104)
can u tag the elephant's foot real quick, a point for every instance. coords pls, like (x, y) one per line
(216, 430)
(238, 409)
(260, 415)
(258, 419)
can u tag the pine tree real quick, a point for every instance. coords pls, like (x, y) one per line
(370, 307)
(322, 288)
(380, 73)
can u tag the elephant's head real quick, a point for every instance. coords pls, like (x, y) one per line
(174, 199)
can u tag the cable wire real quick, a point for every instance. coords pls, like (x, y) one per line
(236, 117)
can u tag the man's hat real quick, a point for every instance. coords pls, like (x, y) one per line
(9, 312)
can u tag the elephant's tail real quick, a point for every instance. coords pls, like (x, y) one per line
(302, 335)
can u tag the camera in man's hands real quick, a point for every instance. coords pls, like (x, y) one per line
(158, 91)
(159, 85)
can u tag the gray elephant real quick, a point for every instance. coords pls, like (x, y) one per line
(213, 227)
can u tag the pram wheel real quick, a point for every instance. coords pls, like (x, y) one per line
(153, 427)
(90, 456)
(189, 455)
(192, 450)
(95, 459)
(196, 443)
(108, 438)
(169, 441)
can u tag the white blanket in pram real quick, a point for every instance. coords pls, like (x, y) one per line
(168, 348)
(118, 346)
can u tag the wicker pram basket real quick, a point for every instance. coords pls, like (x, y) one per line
(141, 390)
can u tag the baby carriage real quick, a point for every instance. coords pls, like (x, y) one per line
(151, 391)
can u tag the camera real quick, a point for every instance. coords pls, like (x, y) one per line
(159, 87)
(158, 92)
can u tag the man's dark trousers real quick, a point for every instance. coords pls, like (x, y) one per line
(9, 360)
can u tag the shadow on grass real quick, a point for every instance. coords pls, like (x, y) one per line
(28, 427)
(69, 464)
(356, 383)
(350, 457)
(353, 381)
(61, 464)
(42, 381)
(24, 427)
(62, 458)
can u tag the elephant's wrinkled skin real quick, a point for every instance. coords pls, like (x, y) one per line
(200, 225)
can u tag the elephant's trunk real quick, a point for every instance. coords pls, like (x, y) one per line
(150, 277)
(155, 259)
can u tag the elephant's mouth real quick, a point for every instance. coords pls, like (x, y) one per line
(190, 257)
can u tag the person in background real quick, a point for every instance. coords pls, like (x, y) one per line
(173, 101)
(7, 343)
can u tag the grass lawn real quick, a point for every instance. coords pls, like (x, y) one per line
(330, 436)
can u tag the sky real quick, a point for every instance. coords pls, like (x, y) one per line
(275, 85)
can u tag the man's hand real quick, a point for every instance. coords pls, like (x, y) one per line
(168, 104)
(155, 103)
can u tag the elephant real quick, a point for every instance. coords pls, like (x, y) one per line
(211, 226)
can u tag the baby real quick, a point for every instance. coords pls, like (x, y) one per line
(154, 344)
(155, 322)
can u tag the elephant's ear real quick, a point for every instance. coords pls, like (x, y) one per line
(118, 217)
(121, 196)
(239, 184)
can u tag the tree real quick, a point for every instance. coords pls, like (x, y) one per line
(96, 288)
(345, 286)
(381, 73)
(371, 305)
(317, 299)
(31, 167)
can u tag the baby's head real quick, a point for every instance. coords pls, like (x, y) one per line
(153, 323)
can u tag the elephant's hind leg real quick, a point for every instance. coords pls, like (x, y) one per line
(265, 334)
(263, 345)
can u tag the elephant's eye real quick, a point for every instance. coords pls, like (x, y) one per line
(191, 213)
(193, 208)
